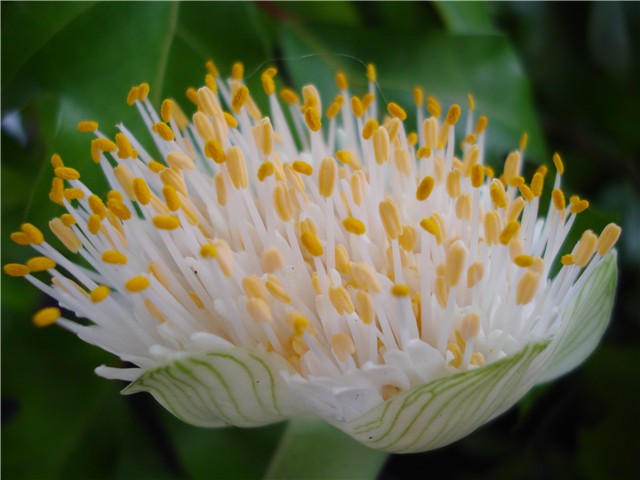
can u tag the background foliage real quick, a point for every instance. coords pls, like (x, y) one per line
(566, 73)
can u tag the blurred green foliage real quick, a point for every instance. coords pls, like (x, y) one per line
(566, 73)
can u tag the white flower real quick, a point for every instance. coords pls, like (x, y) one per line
(335, 267)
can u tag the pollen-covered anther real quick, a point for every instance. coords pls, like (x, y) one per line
(141, 189)
(33, 233)
(509, 232)
(431, 226)
(312, 118)
(341, 300)
(527, 287)
(608, 238)
(46, 316)
(455, 262)
(353, 225)
(214, 151)
(311, 243)
(137, 283)
(579, 206)
(240, 98)
(558, 163)
(523, 260)
(265, 170)
(99, 145)
(67, 173)
(16, 269)
(164, 131)
(498, 195)
(166, 222)
(400, 290)
(99, 293)
(276, 289)
(390, 216)
(559, 201)
(237, 168)
(585, 248)
(396, 111)
(302, 167)
(114, 257)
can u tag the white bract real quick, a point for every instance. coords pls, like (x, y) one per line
(329, 265)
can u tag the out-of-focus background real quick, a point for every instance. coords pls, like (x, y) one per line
(567, 73)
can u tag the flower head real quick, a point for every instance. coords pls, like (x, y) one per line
(255, 268)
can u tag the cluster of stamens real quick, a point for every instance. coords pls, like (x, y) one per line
(338, 241)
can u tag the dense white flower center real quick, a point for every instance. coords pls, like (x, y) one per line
(370, 259)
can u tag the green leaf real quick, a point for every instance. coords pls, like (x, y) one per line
(311, 449)
(585, 319)
(466, 17)
(441, 412)
(448, 66)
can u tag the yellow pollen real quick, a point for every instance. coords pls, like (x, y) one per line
(585, 248)
(453, 114)
(141, 190)
(341, 300)
(268, 84)
(56, 161)
(369, 128)
(524, 140)
(33, 233)
(371, 72)
(425, 188)
(455, 262)
(99, 145)
(99, 293)
(356, 106)
(230, 119)
(423, 152)
(558, 199)
(132, 96)
(431, 226)
(240, 98)
(343, 264)
(453, 183)
(272, 260)
(237, 168)
(481, 124)
(281, 202)
(527, 287)
(302, 167)
(579, 206)
(364, 307)
(557, 161)
(221, 189)
(179, 161)
(289, 97)
(165, 110)
(353, 225)
(477, 175)
(488, 171)
(65, 234)
(537, 183)
(143, 91)
(526, 193)
(114, 257)
(20, 238)
(137, 283)
(471, 101)
(608, 238)
(71, 194)
(412, 139)
(97, 206)
(94, 223)
(312, 118)
(237, 71)
(311, 244)
(474, 274)
(400, 290)
(418, 96)
(396, 111)
(171, 197)
(464, 207)
(56, 194)
(341, 81)
(253, 288)
(46, 316)
(208, 250)
(367, 100)
(87, 126)
(390, 216)
(276, 289)
(381, 145)
(567, 259)
(455, 349)
(334, 109)
(433, 107)
(492, 227)
(512, 166)
(156, 167)
(514, 210)
(213, 150)
(523, 260)
(16, 270)
(498, 196)
(265, 170)
(327, 176)
(342, 345)
(164, 131)
(166, 222)
(509, 232)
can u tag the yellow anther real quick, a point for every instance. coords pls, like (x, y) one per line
(425, 188)
(381, 145)
(477, 175)
(429, 131)
(390, 216)
(498, 195)
(474, 274)
(272, 260)
(276, 289)
(526, 193)
(367, 100)
(431, 226)
(441, 291)
(33, 233)
(20, 238)
(213, 150)
(327, 176)
(141, 190)
(585, 248)
(433, 107)
(523, 260)
(259, 310)
(423, 152)
(143, 91)
(524, 140)
(311, 244)
(302, 167)
(65, 235)
(164, 131)
(56, 161)
(289, 97)
(334, 108)
(557, 161)
(208, 250)
(137, 283)
(171, 197)
(312, 118)
(46, 316)
(71, 194)
(237, 168)
(455, 263)
(155, 167)
(455, 349)
(418, 96)
(567, 259)
(365, 277)
(342, 345)
(341, 300)
(514, 210)
(265, 170)
(537, 183)
(471, 101)
(364, 307)
(400, 290)
(396, 111)
(16, 270)
(470, 139)
(94, 223)
(353, 225)
(509, 232)
(408, 238)
(453, 114)
(132, 96)
(579, 206)
(299, 322)
(608, 238)
(119, 209)
(464, 207)
(87, 126)
(179, 161)
(512, 166)
(369, 128)
(488, 172)
(268, 84)
(237, 71)
(57, 190)
(166, 222)
(240, 98)
(371, 72)
(342, 259)
(341, 81)
(356, 106)
(212, 68)
(97, 206)
(412, 139)
(481, 124)
(114, 257)
(492, 227)
(453, 183)
(393, 127)
(99, 293)
(282, 203)
(253, 288)
(99, 145)
(542, 170)
(558, 199)
(165, 110)
(527, 287)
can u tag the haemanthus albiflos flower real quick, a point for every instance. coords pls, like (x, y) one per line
(254, 268)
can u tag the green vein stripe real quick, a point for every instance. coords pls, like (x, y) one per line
(213, 407)
(272, 383)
